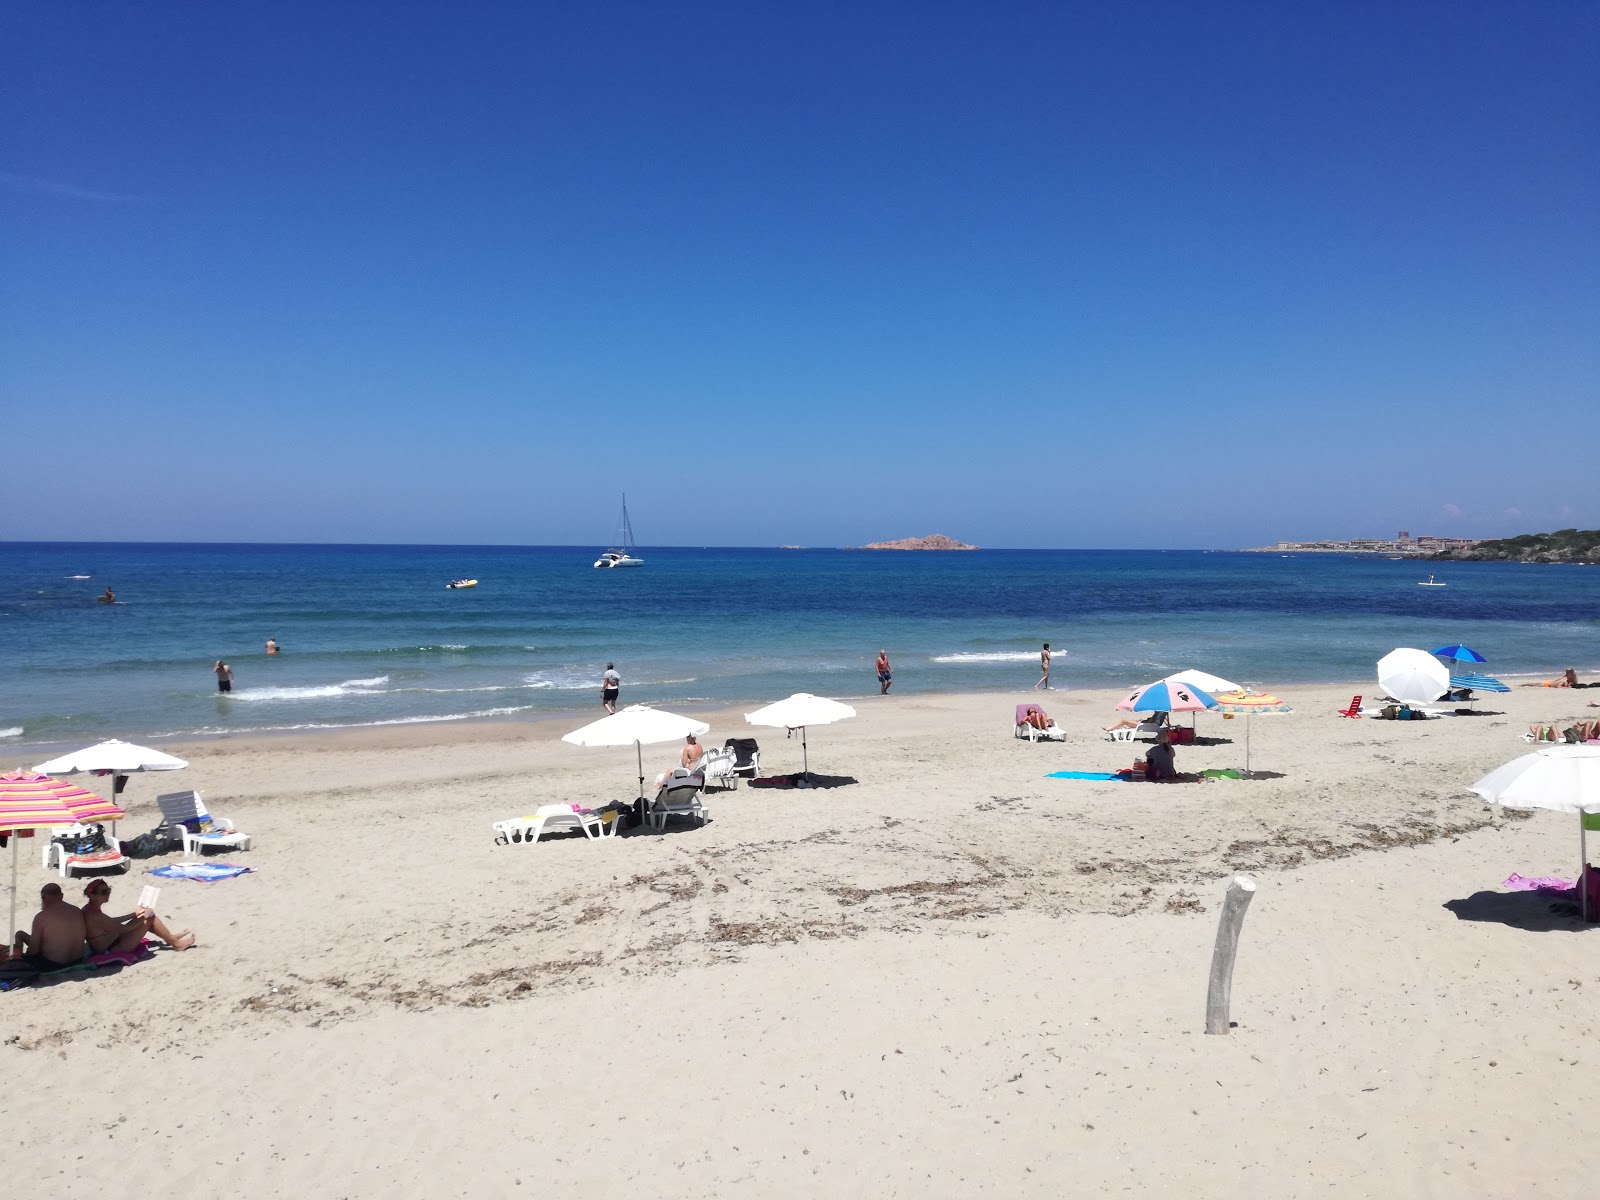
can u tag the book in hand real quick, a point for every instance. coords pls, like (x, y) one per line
(148, 898)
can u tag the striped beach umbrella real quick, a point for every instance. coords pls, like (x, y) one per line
(1250, 704)
(1478, 683)
(1166, 697)
(29, 800)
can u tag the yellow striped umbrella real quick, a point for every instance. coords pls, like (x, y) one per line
(31, 801)
(1250, 704)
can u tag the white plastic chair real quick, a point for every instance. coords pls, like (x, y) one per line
(178, 808)
(552, 818)
(56, 856)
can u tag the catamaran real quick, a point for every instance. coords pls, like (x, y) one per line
(623, 557)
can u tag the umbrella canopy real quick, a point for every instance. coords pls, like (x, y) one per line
(1559, 778)
(1412, 677)
(1478, 683)
(1460, 654)
(1250, 704)
(1213, 684)
(798, 711)
(1162, 696)
(111, 758)
(29, 800)
(637, 725)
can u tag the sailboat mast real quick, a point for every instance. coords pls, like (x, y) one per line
(627, 526)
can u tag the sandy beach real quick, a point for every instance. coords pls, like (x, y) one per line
(947, 976)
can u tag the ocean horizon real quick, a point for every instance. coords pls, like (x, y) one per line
(370, 635)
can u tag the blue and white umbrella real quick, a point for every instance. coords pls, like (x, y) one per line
(1477, 683)
(1459, 654)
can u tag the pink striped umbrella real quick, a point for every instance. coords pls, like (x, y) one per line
(32, 801)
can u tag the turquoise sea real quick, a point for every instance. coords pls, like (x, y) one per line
(370, 635)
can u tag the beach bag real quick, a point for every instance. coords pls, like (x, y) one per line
(1590, 883)
(91, 841)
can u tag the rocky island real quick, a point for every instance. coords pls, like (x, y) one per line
(935, 541)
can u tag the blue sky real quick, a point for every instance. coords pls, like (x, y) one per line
(1027, 274)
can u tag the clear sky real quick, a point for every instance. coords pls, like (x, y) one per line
(1029, 274)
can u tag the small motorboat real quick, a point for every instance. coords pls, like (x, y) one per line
(462, 583)
(1430, 582)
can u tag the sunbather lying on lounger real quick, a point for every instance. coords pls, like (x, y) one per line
(123, 933)
(57, 937)
(1036, 717)
(1157, 719)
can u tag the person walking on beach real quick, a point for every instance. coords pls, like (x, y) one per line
(885, 676)
(224, 676)
(1044, 666)
(610, 685)
(272, 645)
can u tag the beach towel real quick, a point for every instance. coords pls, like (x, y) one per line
(1221, 773)
(207, 872)
(1085, 775)
(1541, 883)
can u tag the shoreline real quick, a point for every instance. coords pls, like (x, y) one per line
(21, 748)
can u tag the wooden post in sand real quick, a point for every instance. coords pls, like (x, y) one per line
(1241, 888)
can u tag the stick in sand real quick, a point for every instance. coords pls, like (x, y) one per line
(1241, 889)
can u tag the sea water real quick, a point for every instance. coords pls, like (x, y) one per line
(371, 636)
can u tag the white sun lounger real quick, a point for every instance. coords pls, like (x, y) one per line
(180, 808)
(553, 818)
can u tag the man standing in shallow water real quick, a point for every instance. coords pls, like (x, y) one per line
(885, 676)
(224, 676)
(610, 685)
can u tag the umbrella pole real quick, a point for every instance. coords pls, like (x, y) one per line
(639, 751)
(11, 923)
(1583, 866)
(1247, 743)
(805, 755)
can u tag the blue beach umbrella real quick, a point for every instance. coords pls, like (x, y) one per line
(1459, 654)
(1477, 683)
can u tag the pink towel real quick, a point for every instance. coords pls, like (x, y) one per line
(1545, 883)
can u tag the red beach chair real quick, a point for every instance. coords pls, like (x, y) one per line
(1354, 710)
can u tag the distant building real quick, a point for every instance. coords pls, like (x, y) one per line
(1404, 536)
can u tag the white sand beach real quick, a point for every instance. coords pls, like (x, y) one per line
(952, 976)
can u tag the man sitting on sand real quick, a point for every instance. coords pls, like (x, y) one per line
(58, 935)
(1160, 763)
(106, 932)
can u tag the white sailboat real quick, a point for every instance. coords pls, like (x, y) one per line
(623, 557)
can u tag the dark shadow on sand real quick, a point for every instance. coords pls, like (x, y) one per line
(813, 780)
(1534, 912)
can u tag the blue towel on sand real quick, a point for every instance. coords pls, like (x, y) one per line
(206, 871)
(1085, 775)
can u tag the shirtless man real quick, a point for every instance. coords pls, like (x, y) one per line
(58, 935)
(693, 752)
(885, 675)
(272, 645)
(106, 932)
(224, 675)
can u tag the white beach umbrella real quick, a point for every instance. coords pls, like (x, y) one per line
(637, 725)
(1413, 676)
(1559, 778)
(1204, 680)
(798, 711)
(115, 758)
